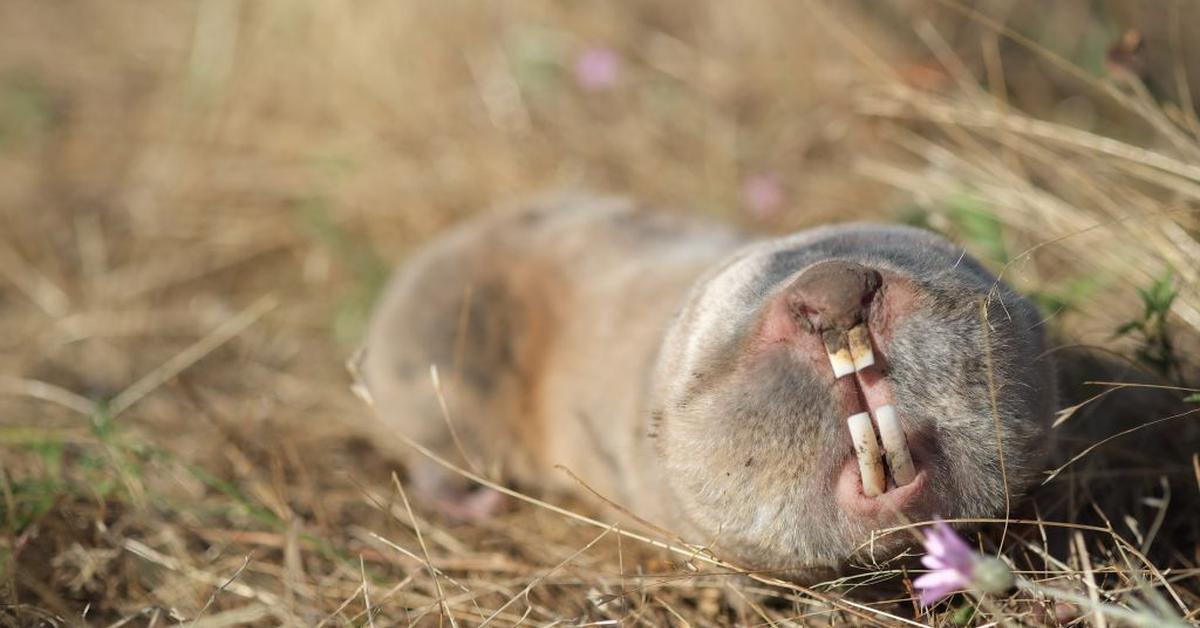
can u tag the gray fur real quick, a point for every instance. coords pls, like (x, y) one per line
(613, 341)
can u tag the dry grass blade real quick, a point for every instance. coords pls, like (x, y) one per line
(245, 615)
(985, 326)
(957, 114)
(1096, 445)
(1089, 578)
(192, 354)
(436, 382)
(366, 592)
(36, 286)
(341, 607)
(441, 601)
(46, 392)
(222, 584)
(538, 580)
(212, 598)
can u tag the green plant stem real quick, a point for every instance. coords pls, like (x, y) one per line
(1111, 610)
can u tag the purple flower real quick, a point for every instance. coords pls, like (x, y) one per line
(762, 194)
(597, 68)
(954, 566)
(952, 562)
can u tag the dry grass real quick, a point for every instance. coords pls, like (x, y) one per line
(198, 200)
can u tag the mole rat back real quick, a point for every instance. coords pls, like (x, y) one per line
(774, 399)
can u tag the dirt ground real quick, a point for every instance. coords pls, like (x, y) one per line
(199, 201)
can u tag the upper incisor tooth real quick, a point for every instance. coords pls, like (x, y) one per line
(866, 451)
(859, 339)
(837, 347)
(895, 445)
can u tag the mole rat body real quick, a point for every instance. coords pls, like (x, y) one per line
(775, 399)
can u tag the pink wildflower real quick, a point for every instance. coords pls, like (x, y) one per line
(954, 566)
(597, 68)
(762, 195)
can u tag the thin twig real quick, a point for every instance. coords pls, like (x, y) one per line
(194, 353)
(437, 582)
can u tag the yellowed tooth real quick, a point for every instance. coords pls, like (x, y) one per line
(866, 450)
(895, 446)
(838, 350)
(859, 340)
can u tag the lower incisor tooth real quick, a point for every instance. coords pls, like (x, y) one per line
(866, 450)
(895, 446)
(859, 339)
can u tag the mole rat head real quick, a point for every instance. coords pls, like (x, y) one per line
(819, 387)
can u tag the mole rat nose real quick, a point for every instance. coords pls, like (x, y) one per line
(832, 295)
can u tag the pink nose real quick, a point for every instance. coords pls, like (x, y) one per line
(832, 295)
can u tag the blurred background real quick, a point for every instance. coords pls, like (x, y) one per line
(199, 201)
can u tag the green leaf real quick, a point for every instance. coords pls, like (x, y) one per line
(1192, 398)
(536, 56)
(963, 615)
(1147, 301)
(103, 424)
(1065, 297)
(980, 227)
(914, 216)
(1128, 327)
(1158, 297)
(353, 307)
(229, 489)
(27, 110)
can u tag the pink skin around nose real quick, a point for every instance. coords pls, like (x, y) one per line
(895, 299)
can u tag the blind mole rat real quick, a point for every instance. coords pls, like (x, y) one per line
(774, 399)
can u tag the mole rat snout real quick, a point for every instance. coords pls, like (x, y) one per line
(833, 295)
(831, 300)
